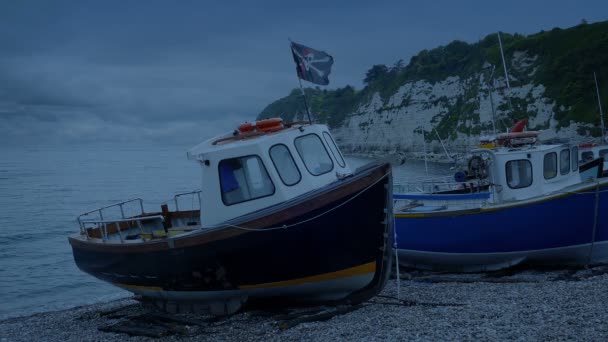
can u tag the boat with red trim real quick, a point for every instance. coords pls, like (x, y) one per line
(282, 216)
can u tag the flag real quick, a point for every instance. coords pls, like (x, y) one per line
(312, 65)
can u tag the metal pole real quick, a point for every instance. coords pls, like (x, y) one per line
(492, 101)
(504, 65)
(305, 101)
(426, 168)
(599, 102)
(442, 145)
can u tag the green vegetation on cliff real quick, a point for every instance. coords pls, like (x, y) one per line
(563, 61)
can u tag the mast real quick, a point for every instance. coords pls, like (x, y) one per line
(491, 84)
(442, 145)
(599, 102)
(426, 167)
(504, 66)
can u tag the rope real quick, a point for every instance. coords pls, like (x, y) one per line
(309, 219)
(597, 202)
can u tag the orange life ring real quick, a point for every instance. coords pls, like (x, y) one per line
(247, 127)
(266, 125)
(269, 125)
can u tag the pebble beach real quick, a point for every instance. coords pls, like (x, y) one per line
(528, 304)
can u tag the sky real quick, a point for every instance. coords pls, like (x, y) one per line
(182, 71)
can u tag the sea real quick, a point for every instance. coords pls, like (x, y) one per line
(44, 188)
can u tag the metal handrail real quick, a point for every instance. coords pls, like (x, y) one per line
(161, 217)
(115, 204)
(100, 211)
(430, 186)
(198, 192)
(104, 231)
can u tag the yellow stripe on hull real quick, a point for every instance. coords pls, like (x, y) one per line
(349, 272)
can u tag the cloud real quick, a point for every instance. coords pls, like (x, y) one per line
(121, 70)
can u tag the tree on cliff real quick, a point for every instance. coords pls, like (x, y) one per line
(377, 72)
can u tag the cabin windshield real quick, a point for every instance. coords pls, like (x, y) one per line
(313, 154)
(334, 149)
(285, 165)
(244, 179)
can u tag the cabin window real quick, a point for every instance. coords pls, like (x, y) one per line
(574, 158)
(313, 153)
(564, 162)
(604, 153)
(244, 179)
(285, 165)
(334, 149)
(519, 173)
(550, 165)
(587, 156)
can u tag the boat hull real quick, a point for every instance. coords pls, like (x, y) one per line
(555, 230)
(325, 246)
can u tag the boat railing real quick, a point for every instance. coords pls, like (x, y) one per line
(193, 193)
(100, 213)
(426, 185)
(103, 224)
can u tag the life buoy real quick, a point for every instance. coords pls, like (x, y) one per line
(269, 125)
(266, 125)
(517, 138)
(247, 127)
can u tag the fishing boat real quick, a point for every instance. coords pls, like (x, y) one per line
(282, 217)
(517, 202)
(590, 151)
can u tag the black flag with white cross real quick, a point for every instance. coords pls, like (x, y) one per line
(312, 65)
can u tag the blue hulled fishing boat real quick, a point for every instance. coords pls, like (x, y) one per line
(517, 201)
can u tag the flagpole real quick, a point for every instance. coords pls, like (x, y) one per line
(305, 101)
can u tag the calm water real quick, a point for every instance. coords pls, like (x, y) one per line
(43, 189)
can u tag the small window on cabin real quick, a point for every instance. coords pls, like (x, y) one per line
(334, 149)
(550, 165)
(604, 153)
(574, 158)
(519, 173)
(244, 179)
(564, 162)
(313, 153)
(285, 165)
(587, 156)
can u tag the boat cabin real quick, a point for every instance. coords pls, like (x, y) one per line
(264, 164)
(528, 171)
